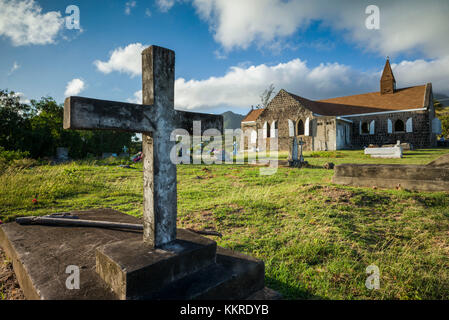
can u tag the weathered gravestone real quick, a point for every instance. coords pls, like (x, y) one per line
(442, 162)
(62, 154)
(294, 149)
(167, 263)
(295, 160)
(124, 153)
(385, 152)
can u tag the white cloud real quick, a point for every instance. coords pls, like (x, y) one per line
(124, 60)
(74, 87)
(128, 6)
(408, 73)
(405, 25)
(240, 87)
(15, 66)
(24, 23)
(238, 24)
(147, 12)
(137, 98)
(165, 5)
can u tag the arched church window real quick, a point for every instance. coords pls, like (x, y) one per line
(365, 127)
(274, 128)
(399, 126)
(291, 128)
(268, 130)
(300, 128)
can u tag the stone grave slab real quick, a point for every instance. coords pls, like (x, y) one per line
(442, 161)
(41, 254)
(391, 176)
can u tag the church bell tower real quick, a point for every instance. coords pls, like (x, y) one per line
(387, 82)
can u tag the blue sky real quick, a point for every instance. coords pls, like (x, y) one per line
(227, 52)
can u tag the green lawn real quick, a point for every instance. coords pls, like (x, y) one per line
(315, 238)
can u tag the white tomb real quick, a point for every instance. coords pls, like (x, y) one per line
(390, 152)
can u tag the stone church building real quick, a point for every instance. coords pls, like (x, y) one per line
(350, 122)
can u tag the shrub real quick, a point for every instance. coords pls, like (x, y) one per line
(17, 159)
(9, 156)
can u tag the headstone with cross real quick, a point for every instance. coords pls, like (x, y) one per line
(295, 160)
(294, 150)
(301, 157)
(155, 119)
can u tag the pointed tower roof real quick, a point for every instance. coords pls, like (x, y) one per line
(387, 82)
(388, 73)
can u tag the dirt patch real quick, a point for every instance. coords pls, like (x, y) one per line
(207, 216)
(199, 221)
(236, 208)
(9, 286)
(333, 194)
(207, 219)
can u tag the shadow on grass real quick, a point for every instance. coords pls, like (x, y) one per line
(369, 199)
(431, 201)
(309, 166)
(289, 292)
(417, 153)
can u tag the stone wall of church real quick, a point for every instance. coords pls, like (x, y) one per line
(322, 130)
(322, 133)
(421, 136)
(246, 139)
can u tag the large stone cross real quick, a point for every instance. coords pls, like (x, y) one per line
(155, 119)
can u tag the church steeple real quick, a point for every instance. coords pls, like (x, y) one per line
(387, 82)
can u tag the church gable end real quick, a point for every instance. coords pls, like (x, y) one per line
(282, 100)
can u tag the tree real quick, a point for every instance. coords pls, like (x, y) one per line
(38, 129)
(46, 126)
(265, 97)
(14, 122)
(442, 113)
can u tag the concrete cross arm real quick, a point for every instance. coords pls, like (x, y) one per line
(93, 114)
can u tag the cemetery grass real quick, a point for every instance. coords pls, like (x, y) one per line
(316, 238)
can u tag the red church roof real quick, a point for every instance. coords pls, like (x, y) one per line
(253, 115)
